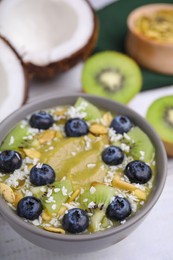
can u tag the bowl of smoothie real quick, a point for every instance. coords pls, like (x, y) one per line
(78, 173)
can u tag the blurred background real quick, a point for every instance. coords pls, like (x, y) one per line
(27, 74)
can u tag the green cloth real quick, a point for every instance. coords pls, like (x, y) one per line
(112, 34)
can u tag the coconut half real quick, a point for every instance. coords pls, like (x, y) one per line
(13, 84)
(49, 35)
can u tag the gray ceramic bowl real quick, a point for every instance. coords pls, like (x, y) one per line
(86, 242)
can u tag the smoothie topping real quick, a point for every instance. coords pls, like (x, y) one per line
(76, 169)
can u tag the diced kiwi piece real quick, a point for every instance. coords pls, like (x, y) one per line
(38, 191)
(112, 75)
(92, 112)
(101, 198)
(160, 116)
(15, 138)
(140, 145)
(60, 194)
(96, 220)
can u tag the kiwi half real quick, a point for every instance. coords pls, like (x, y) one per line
(113, 75)
(160, 116)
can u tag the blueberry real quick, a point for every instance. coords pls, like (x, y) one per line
(112, 155)
(29, 207)
(76, 127)
(10, 161)
(75, 221)
(121, 124)
(118, 209)
(42, 175)
(138, 172)
(41, 120)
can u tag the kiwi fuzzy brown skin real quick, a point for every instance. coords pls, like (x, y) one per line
(52, 69)
(25, 73)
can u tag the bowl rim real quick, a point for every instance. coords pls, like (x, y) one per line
(12, 217)
(131, 26)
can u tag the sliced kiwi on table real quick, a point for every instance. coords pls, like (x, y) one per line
(92, 112)
(59, 196)
(112, 75)
(15, 138)
(101, 198)
(140, 145)
(160, 116)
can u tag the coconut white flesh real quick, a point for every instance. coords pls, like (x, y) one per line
(46, 31)
(12, 81)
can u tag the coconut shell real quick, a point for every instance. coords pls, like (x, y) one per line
(25, 73)
(50, 70)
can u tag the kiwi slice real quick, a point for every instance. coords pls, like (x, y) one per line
(113, 75)
(101, 198)
(92, 112)
(160, 116)
(15, 138)
(140, 145)
(60, 194)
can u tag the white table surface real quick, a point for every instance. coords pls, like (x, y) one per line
(152, 240)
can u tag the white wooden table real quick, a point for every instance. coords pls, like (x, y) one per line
(152, 240)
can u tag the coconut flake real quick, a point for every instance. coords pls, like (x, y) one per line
(91, 165)
(91, 205)
(54, 206)
(92, 190)
(56, 190)
(64, 191)
(11, 140)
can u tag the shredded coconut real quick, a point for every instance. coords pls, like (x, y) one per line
(113, 136)
(43, 189)
(54, 206)
(126, 136)
(91, 205)
(92, 190)
(49, 192)
(74, 112)
(56, 190)
(64, 191)
(87, 143)
(125, 147)
(28, 193)
(81, 191)
(50, 199)
(91, 165)
(13, 179)
(11, 140)
(54, 222)
(39, 165)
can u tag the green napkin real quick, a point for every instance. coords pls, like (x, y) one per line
(113, 30)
